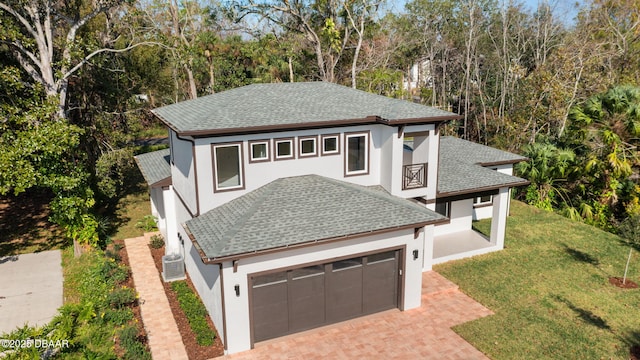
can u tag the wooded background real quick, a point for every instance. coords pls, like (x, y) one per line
(78, 78)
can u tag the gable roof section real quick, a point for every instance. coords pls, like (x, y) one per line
(155, 167)
(301, 210)
(461, 171)
(263, 107)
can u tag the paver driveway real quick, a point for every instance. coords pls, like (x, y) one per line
(30, 289)
(422, 333)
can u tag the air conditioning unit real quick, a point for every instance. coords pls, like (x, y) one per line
(173, 267)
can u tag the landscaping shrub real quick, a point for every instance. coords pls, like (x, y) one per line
(156, 242)
(147, 223)
(130, 343)
(117, 317)
(119, 298)
(195, 311)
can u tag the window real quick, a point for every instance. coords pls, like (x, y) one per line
(357, 154)
(483, 200)
(443, 208)
(259, 151)
(330, 144)
(284, 149)
(227, 160)
(308, 146)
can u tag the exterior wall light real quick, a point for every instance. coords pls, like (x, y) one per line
(415, 254)
(237, 288)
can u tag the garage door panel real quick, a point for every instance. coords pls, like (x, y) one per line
(344, 294)
(380, 283)
(306, 298)
(295, 300)
(270, 310)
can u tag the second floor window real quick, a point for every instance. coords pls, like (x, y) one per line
(443, 208)
(357, 154)
(228, 167)
(259, 150)
(308, 146)
(284, 149)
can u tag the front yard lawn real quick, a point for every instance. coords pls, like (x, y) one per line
(550, 292)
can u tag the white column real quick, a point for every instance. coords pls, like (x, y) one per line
(499, 218)
(171, 240)
(429, 233)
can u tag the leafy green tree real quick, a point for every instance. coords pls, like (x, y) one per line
(547, 166)
(604, 132)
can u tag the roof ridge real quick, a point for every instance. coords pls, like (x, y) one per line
(375, 193)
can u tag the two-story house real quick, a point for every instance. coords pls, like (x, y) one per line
(298, 205)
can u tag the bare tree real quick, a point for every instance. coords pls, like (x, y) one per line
(43, 37)
(320, 23)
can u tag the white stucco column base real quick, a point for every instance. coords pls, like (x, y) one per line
(499, 218)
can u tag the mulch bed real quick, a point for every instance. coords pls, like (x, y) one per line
(124, 259)
(617, 281)
(635, 352)
(194, 350)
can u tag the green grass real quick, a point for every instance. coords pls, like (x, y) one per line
(131, 210)
(549, 290)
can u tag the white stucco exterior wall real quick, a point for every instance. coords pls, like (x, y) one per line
(183, 176)
(461, 215)
(237, 307)
(205, 278)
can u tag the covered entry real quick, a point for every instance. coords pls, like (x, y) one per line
(294, 300)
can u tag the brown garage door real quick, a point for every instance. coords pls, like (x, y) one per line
(295, 300)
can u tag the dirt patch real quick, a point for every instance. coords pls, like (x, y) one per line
(194, 350)
(617, 281)
(25, 226)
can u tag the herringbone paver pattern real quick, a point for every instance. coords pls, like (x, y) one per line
(165, 341)
(422, 333)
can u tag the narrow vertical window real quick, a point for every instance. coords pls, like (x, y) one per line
(228, 166)
(443, 208)
(357, 154)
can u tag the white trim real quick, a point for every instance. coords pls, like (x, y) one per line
(291, 149)
(259, 142)
(218, 185)
(302, 139)
(366, 153)
(477, 201)
(330, 152)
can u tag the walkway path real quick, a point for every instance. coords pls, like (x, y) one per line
(165, 341)
(422, 333)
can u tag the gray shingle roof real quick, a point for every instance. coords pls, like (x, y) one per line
(288, 104)
(154, 166)
(472, 153)
(301, 209)
(460, 167)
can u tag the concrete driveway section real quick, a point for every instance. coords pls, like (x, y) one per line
(30, 289)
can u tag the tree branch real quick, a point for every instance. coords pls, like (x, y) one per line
(100, 51)
(19, 17)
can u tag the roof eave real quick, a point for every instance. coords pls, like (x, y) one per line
(217, 260)
(440, 195)
(503, 162)
(308, 125)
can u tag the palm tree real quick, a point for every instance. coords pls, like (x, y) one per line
(546, 166)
